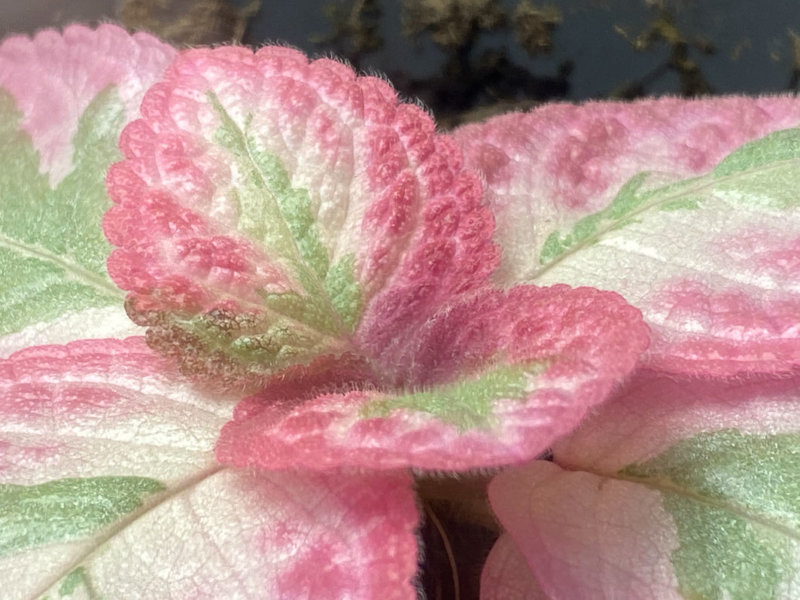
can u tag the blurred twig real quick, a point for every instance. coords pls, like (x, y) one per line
(189, 22)
(664, 30)
(355, 29)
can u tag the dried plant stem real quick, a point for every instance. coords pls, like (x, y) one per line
(447, 548)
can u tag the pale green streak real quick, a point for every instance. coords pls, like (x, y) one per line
(629, 201)
(72, 581)
(764, 173)
(52, 248)
(66, 509)
(302, 309)
(775, 147)
(257, 342)
(279, 217)
(295, 209)
(735, 499)
(344, 291)
(77, 578)
(467, 403)
(271, 211)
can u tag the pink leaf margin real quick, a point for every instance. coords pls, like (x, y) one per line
(546, 169)
(590, 341)
(586, 531)
(54, 76)
(113, 407)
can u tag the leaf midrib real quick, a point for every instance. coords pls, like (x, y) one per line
(296, 259)
(122, 524)
(704, 182)
(78, 273)
(661, 485)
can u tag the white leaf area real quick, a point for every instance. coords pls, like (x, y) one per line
(98, 409)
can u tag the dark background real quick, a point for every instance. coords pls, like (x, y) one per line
(467, 59)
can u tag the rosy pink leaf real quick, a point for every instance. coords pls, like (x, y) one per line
(674, 489)
(528, 364)
(641, 199)
(271, 210)
(284, 220)
(53, 77)
(64, 99)
(506, 575)
(109, 486)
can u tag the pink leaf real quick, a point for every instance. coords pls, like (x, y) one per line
(673, 489)
(603, 195)
(54, 76)
(284, 220)
(83, 421)
(506, 575)
(529, 362)
(271, 210)
(97, 406)
(64, 99)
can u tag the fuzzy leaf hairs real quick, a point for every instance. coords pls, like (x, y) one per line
(681, 485)
(229, 343)
(282, 230)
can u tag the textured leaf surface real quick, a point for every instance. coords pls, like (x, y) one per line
(109, 488)
(674, 489)
(60, 117)
(271, 210)
(64, 509)
(629, 197)
(531, 361)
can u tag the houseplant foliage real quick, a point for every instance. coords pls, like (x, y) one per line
(245, 293)
(683, 485)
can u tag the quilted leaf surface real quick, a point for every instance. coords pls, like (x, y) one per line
(109, 488)
(686, 208)
(674, 489)
(63, 102)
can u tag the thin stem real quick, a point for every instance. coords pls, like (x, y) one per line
(447, 548)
